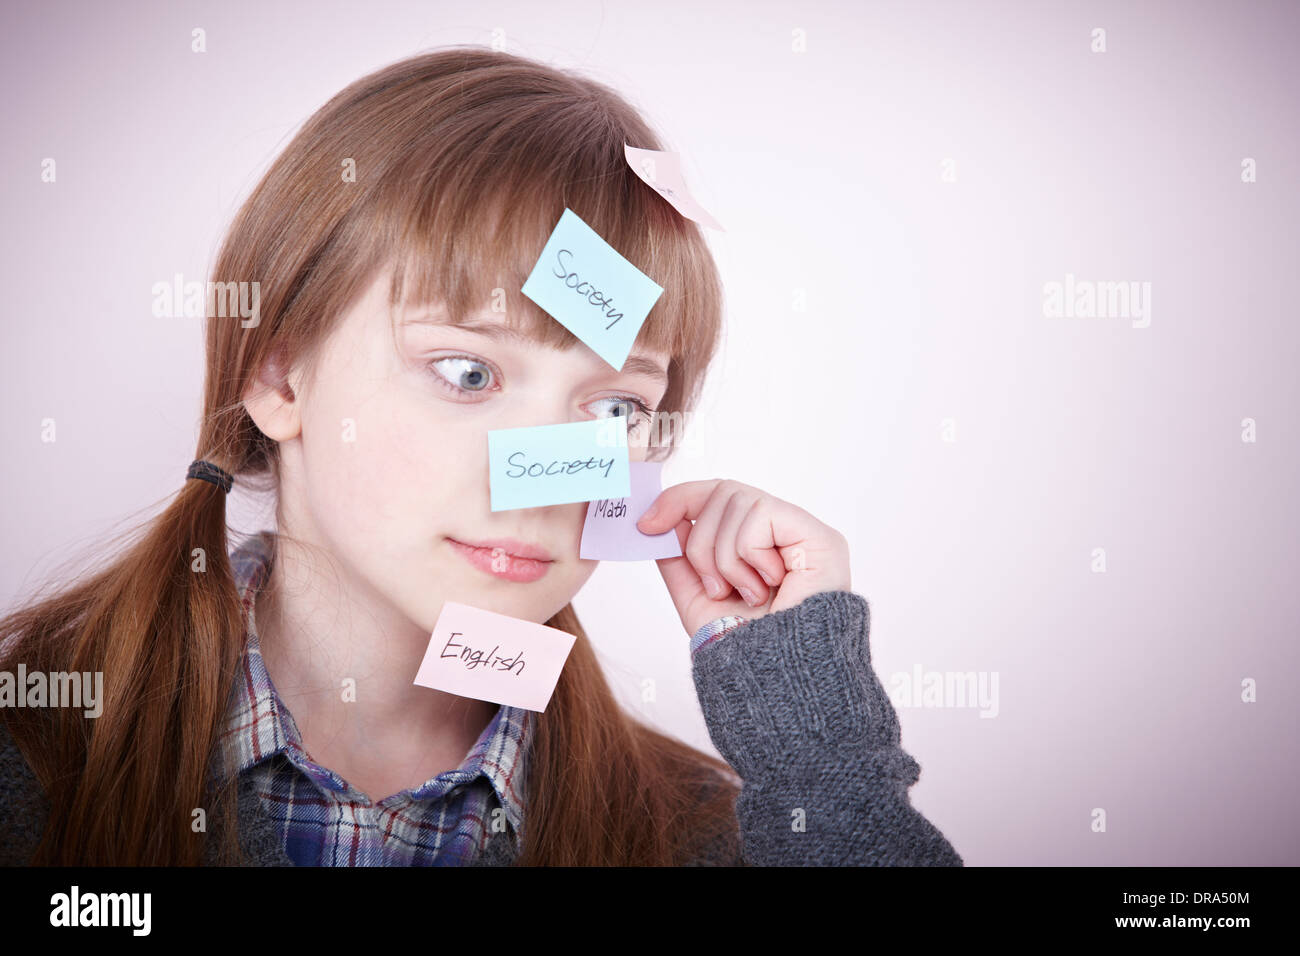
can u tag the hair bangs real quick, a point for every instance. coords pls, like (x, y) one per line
(474, 231)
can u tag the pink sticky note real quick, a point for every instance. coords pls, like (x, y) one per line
(495, 657)
(610, 532)
(663, 171)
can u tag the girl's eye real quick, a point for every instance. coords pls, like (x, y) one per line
(628, 406)
(463, 374)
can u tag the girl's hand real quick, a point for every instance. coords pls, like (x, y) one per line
(747, 540)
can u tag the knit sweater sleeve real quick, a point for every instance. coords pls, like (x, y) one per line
(793, 705)
(23, 805)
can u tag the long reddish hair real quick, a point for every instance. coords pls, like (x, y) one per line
(464, 160)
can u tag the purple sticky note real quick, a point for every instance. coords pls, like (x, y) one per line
(610, 532)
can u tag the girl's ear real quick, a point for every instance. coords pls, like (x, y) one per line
(271, 401)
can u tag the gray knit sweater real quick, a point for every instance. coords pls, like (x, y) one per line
(792, 704)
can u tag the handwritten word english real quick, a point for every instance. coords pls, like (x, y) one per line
(476, 658)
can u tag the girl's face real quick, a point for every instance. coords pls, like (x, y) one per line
(389, 469)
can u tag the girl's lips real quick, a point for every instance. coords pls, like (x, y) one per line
(495, 559)
(509, 545)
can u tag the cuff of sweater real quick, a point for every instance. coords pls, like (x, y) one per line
(714, 630)
(795, 683)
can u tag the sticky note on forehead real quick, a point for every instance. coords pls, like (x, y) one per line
(558, 464)
(662, 171)
(586, 286)
(494, 657)
(610, 532)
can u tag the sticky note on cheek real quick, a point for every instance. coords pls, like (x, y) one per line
(591, 290)
(494, 657)
(558, 464)
(610, 532)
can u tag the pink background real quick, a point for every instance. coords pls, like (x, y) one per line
(923, 299)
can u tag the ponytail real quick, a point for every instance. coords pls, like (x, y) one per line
(161, 623)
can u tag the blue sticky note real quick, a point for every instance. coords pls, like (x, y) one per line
(591, 290)
(559, 464)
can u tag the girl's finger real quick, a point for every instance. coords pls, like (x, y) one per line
(756, 542)
(729, 562)
(683, 583)
(685, 500)
(700, 547)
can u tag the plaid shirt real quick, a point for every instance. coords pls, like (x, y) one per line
(322, 819)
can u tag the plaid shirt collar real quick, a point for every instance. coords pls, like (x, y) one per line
(259, 726)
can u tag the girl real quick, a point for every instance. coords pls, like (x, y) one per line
(389, 242)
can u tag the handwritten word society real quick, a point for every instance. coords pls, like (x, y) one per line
(583, 287)
(538, 470)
